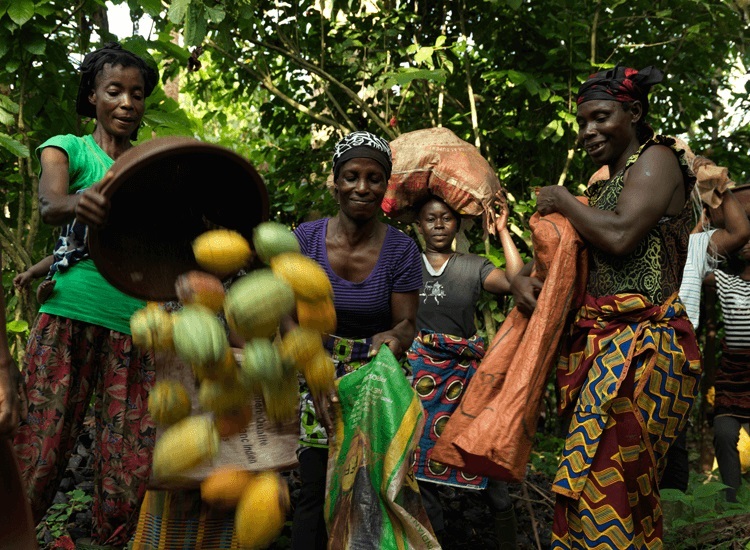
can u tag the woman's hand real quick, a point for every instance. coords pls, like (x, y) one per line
(548, 199)
(501, 201)
(23, 280)
(525, 290)
(325, 410)
(93, 207)
(389, 340)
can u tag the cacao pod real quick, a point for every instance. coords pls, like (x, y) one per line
(218, 397)
(221, 251)
(255, 304)
(151, 327)
(307, 279)
(320, 316)
(184, 446)
(261, 364)
(168, 402)
(262, 510)
(198, 287)
(272, 238)
(224, 486)
(320, 373)
(300, 345)
(199, 337)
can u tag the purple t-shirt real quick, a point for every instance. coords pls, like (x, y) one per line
(364, 309)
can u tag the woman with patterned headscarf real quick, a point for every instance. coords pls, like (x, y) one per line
(80, 344)
(630, 365)
(376, 275)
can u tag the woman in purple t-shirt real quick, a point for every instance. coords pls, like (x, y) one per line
(376, 275)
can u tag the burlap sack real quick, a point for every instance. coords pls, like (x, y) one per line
(436, 161)
(263, 445)
(492, 431)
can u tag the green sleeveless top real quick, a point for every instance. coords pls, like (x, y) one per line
(654, 268)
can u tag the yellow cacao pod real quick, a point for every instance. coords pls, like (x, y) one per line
(218, 397)
(281, 400)
(221, 251)
(256, 302)
(307, 279)
(300, 345)
(225, 485)
(185, 445)
(199, 337)
(272, 238)
(262, 510)
(320, 316)
(320, 373)
(743, 446)
(168, 402)
(198, 287)
(151, 327)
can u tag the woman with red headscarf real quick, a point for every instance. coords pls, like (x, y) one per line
(629, 367)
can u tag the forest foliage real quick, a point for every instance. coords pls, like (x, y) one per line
(280, 80)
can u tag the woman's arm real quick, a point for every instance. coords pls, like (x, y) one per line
(404, 324)
(36, 271)
(8, 379)
(56, 205)
(736, 231)
(653, 188)
(498, 281)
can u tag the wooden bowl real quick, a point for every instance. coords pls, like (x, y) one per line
(164, 193)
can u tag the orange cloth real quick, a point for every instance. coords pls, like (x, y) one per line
(492, 431)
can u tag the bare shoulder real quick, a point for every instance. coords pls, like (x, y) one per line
(657, 163)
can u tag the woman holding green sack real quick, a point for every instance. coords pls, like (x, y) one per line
(376, 274)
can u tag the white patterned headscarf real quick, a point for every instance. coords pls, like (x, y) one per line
(362, 145)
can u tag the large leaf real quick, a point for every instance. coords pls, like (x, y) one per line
(15, 147)
(20, 11)
(178, 10)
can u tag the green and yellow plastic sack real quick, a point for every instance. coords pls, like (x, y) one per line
(372, 499)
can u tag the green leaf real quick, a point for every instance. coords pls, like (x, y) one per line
(151, 7)
(35, 44)
(708, 489)
(20, 11)
(15, 147)
(515, 77)
(440, 41)
(513, 4)
(549, 130)
(216, 15)
(407, 75)
(178, 10)
(196, 25)
(6, 118)
(423, 54)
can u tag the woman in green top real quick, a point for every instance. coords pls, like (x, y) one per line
(80, 343)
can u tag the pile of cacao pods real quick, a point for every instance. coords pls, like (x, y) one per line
(253, 307)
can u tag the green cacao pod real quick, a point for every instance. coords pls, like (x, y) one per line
(272, 238)
(199, 337)
(256, 302)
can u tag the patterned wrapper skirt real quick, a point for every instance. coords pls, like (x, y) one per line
(627, 378)
(442, 366)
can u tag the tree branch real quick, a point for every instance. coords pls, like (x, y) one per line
(324, 74)
(469, 88)
(267, 83)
